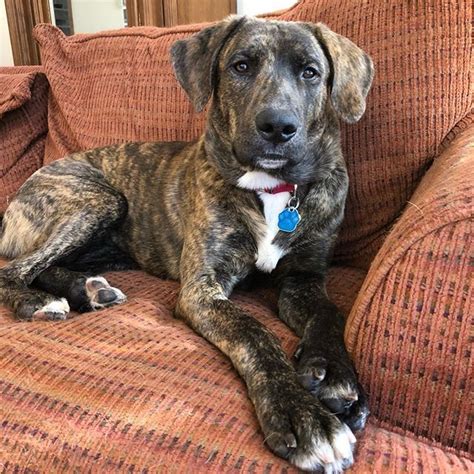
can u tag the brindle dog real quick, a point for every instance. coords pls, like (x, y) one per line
(202, 213)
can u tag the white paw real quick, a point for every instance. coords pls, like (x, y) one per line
(101, 294)
(56, 309)
(333, 457)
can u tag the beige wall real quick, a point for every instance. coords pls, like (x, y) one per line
(6, 57)
(95, 15)
(90, 16)
(254, 7)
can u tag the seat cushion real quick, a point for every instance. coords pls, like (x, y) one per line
(129, 385)
(130, 388)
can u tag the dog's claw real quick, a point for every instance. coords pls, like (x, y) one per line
(290, 440)
(298, 352)
(312, 372)
(282, 445)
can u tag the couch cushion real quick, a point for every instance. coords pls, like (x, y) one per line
(23, 127)
(130, 389)
(411, 329)
(118, 85)
(15, 86)
(113, 86)
(132, 385)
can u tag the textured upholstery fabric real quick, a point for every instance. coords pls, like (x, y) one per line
(23, 126)
(130, 389)
(115, 86)
(132, 385)
(411, 327)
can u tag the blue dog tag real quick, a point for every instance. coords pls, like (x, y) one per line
(288, 219)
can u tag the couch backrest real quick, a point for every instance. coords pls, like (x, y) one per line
(23, 127)
(118, 85)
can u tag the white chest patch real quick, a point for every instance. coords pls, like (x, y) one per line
(268, 254)
(257, 180)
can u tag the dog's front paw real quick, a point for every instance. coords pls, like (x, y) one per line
(334, 382)
(298, 428)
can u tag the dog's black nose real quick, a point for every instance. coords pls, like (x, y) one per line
(276, 126)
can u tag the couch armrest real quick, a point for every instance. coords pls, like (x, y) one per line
(408, 330)
(23, 126)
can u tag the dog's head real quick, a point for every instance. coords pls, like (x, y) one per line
(277, 88)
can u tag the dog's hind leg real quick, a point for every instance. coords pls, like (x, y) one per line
(28, 304)
(82, 292)
(77, 221)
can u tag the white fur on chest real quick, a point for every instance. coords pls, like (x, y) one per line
(268, 254)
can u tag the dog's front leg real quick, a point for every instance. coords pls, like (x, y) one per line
(324, 366)
(295, 424)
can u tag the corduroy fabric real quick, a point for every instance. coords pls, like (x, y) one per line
(23, 126)
(130, 389)
(410, 329)
(118, 85)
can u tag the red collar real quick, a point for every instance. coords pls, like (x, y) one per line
(281, 188)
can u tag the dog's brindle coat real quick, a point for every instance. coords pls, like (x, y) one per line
(196, 212)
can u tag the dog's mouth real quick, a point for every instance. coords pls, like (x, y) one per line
(271, 162)
(260, 160)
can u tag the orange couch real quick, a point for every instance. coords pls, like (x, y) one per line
(130, 389)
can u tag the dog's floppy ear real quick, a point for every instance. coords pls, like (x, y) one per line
(195, 59)
(352, 73)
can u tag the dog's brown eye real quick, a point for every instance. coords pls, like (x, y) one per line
(241, 67)
(310, 73)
